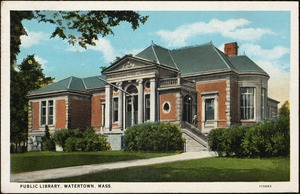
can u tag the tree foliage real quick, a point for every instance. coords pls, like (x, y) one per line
(27, 76)
(284, 110)
(78, 27)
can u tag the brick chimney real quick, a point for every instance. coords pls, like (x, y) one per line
(231, 49)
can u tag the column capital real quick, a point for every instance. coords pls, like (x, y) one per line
(140, 81)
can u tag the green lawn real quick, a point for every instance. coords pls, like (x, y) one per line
(32, 161)
(200, 170)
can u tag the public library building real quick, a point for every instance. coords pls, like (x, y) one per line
(198, 87)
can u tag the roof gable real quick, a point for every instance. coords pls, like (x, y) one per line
(71, 84)
(244, 64)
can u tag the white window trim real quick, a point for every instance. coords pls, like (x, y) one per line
(210, 123)
(170, 107)
(254, 104)
(47, 113)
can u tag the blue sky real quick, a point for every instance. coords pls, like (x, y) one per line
(266, 42)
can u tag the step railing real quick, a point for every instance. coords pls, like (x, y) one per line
(194, 130)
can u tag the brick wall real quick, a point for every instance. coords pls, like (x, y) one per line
(79, 113)
(96, 111)
(171, 98)
(60, 114)
(35, 115)
(220, 87)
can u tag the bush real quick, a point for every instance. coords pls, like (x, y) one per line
(75, 140)
(153, 137)
(217, 140)
(265, 139)
(48, 143)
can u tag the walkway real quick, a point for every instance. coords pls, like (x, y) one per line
(95, 168)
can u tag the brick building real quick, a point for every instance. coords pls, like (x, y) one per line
(218, 89)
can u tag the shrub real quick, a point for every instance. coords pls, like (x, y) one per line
(217, 140)
(48, 143)
(265, 139)
(75, 140)
(153, 137)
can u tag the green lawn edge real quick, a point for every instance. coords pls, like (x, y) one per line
(199, 170)
(33, 161)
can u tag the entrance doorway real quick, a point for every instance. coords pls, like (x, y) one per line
(131, 110)
(187, 109)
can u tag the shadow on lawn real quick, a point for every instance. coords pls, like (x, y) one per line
(169, 174)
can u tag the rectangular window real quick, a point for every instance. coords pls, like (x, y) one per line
(247, 103)
(47, 112)
(263, 99)
(43, 112)
(209, 109)
(147, 107)
(50, 112)
(115, 108)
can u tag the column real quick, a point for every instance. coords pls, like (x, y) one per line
(120, 107)
(152, 100)
(108, 95)
(140, 102)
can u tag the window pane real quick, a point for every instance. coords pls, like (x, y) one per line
(209, 109)
(50, 120)
(247, 103)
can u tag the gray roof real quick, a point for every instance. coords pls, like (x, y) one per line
(72, 84)
(188, 60)
(199, 59)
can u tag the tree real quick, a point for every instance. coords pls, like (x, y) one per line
(284, 110)
(78, 27)
(28, 76)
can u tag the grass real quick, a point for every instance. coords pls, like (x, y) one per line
(32, 161)
(200, 170)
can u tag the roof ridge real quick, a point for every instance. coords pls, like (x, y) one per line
(173, 59)
(217, 50)
(83, 83)
(69, 84)
(155, 54)
(193, 46)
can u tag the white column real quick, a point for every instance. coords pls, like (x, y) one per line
(140, 102)
(120, 107)
(108, 98)
(152, 100)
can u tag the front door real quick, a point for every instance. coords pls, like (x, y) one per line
(131, 110)
(187, 109)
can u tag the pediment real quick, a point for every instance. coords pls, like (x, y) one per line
(127, 65)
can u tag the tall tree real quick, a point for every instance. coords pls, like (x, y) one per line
(284, 110)
(27, 76)
(78, 27)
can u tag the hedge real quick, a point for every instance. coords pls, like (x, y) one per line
(153, 137)
(265, 139)
(75, 140)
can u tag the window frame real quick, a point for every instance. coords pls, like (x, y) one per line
(46, 117)
(245, 115)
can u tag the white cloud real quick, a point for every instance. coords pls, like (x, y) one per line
(102, 45)
(271, 61)
(43, 62)
(75, 48)
(257, 52)
(279, 82)
(233, 28)
(33, 38)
